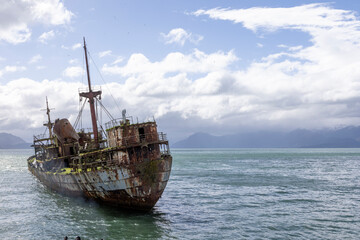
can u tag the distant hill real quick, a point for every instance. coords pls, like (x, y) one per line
(348, 137)
(9, 141)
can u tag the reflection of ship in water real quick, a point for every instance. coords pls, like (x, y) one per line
(126, 165)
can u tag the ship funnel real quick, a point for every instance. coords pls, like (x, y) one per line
(64, 131)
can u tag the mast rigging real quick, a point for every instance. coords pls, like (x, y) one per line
(91, 95)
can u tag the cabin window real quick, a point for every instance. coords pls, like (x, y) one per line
(72, 152)
(151, 148)
(141, 134)
(131, 154)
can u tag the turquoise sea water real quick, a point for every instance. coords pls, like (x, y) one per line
(212, 194)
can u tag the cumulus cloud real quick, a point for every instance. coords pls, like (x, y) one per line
(180, 36)
(29, 96)
(300, 84)
(193, 85)
(17, 17)
(176, 62)
(72, 72)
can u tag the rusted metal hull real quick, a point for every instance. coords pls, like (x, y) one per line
(125, 186)
(127, 164)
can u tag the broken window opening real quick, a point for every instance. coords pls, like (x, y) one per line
(141, 134)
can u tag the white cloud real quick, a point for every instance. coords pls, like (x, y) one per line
(73, 71)
(15, 34)
(73, 47)
(300, 84)
(191, 85)
(11, 69)
(104, 53)
(288, 88)
(14, 68)
(46, 36)
(316, 85)
(180, 36)
(17, 17)
(305, 17)
(76, 46)
(73, 61)
(118, 60)
(196, 62)
(28, 97)
(35, 59)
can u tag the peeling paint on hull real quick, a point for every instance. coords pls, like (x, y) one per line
(116, 186)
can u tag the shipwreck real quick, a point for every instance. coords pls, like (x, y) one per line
(124, 163)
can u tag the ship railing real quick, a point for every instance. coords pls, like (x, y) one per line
(89, 131)
(162, 136)
(40, 137)
(142, 138)
(84, 130)
(108, 160)
(79, 163)
(86, 89)
(164, 149)
(118, 122)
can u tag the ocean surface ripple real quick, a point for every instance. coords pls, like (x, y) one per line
(212, 194)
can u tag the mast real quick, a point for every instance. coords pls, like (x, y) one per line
(91, 95)
(48, 124)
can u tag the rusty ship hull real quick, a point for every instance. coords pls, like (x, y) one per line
(134, 187)
(123, 163)
(132, 171)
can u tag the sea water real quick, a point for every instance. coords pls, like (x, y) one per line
(211, 194)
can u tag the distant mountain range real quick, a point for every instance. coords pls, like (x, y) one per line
(348, 137)
(9, 141)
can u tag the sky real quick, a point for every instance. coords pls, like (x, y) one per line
(220, 67)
